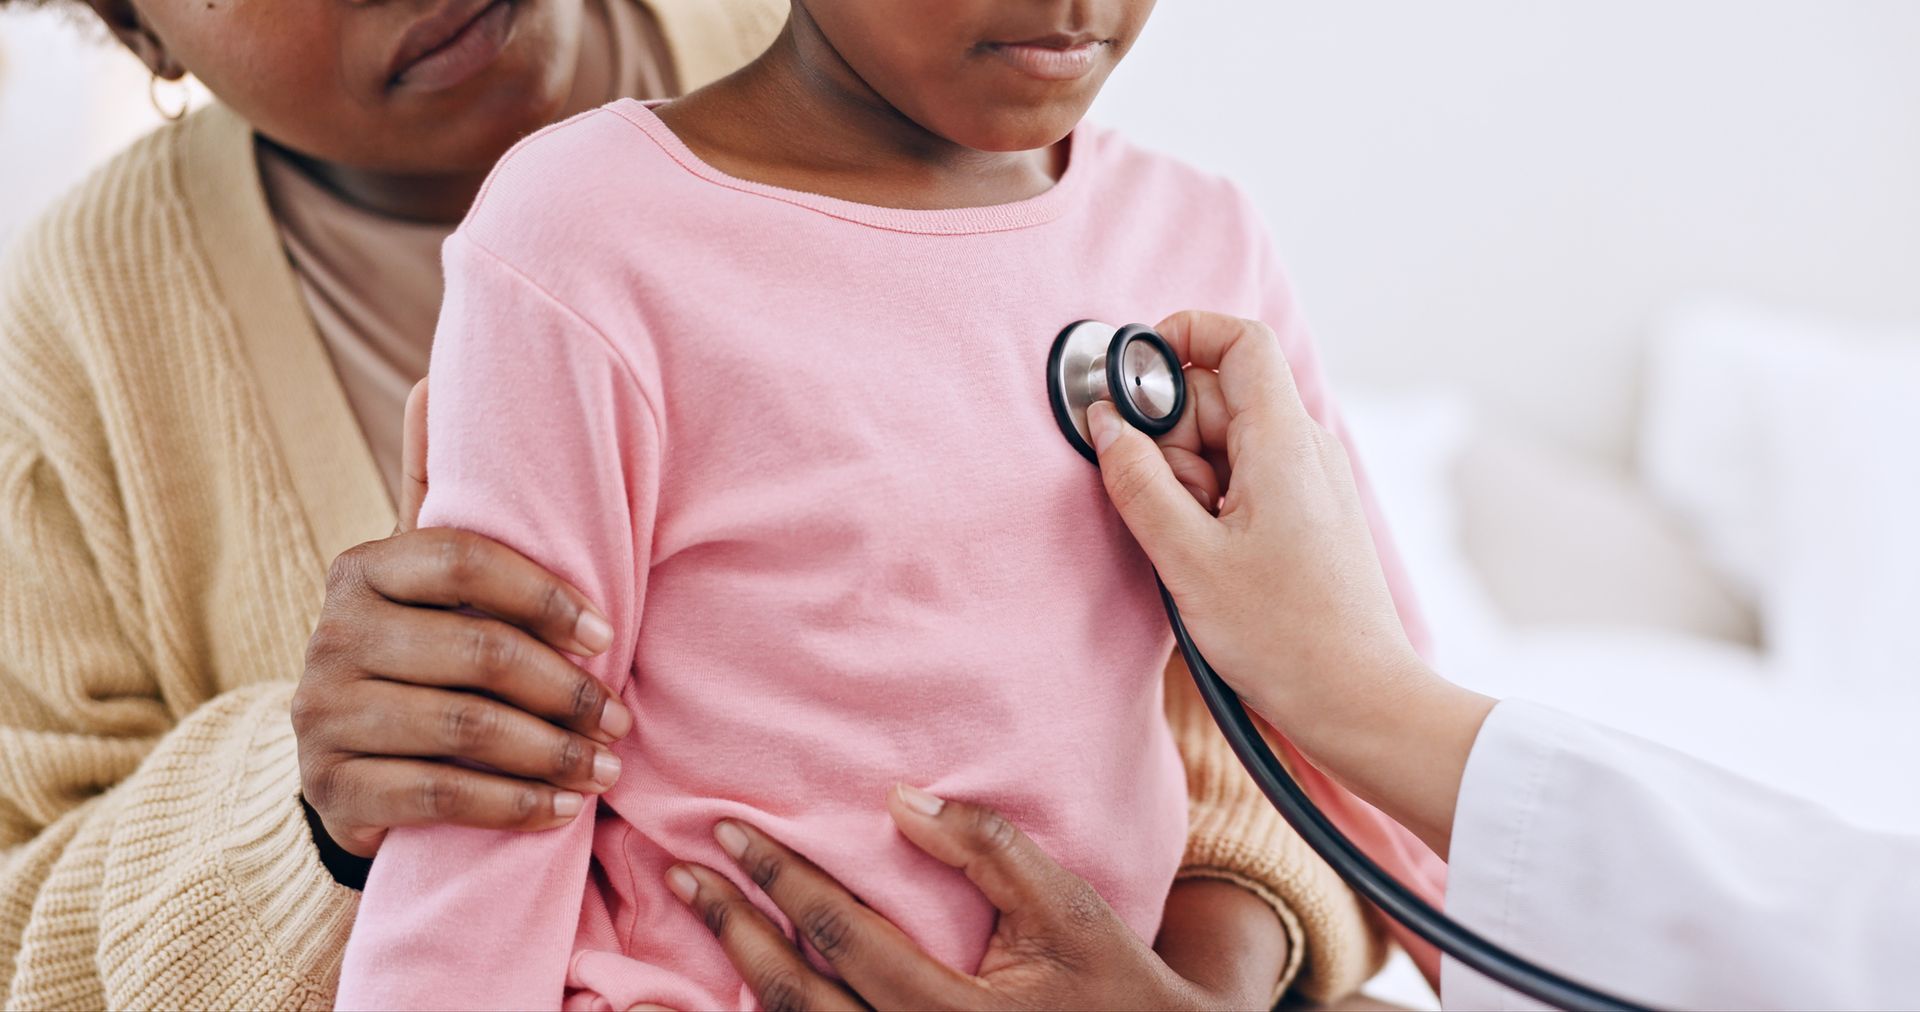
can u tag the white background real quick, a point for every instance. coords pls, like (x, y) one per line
(1501, 193)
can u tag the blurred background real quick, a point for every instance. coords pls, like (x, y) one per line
(1623, 300)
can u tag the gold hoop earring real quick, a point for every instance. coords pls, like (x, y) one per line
(179, 111)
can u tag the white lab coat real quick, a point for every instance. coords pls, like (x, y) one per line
(1663, 880)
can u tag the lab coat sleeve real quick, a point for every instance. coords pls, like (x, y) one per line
(1664, 880)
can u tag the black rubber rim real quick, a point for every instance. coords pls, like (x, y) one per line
(1057, 395)
(1117, 380)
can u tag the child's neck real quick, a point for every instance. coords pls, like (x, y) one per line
(799, 118)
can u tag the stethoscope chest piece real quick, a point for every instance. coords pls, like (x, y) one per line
(1137, 370)
(1132, 366)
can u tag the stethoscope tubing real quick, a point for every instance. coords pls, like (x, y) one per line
(1068, 397)
(1358, 870)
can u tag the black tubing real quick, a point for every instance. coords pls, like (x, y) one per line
(1367, 878)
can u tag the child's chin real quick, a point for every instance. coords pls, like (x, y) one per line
(1022, 131)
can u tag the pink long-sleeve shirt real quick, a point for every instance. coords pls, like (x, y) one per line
(800, 451)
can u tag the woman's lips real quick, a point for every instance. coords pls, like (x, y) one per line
(1050, 61)
(449, 48)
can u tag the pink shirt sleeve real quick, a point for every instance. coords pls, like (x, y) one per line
(540, 437)
(1387, 842)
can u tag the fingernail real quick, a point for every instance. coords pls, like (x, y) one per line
(1104, 423)
(616, 720)
(606, 768)
(919, 800)
(732, 840)
(567, 804)
(683, 884)
(593, 632)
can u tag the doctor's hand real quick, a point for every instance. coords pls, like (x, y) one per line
(397, 681)
(1057, 943)
(1282, 588)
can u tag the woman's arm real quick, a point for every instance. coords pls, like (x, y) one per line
(134, 849)
(145, 822)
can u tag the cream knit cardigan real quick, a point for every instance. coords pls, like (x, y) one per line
(177, 468)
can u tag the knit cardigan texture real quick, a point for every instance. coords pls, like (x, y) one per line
(178, 466)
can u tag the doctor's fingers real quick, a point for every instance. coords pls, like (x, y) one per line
(1202, 430)
(1158, 505)
(1253, 370)
(1207, 407)
(1256, 445)
(1185, 447)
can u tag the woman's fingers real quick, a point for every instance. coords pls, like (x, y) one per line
(448, 568)
(360, 797)
(880, 962)
(1057, 945)
(777, 974)
(374, 700)
(397, 719)
(1032, 892)
(445, 649)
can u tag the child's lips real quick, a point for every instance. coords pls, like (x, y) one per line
(1050, 61)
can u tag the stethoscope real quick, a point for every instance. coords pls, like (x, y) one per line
(1134, 368)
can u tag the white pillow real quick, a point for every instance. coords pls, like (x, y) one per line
(1561, 537)
(1705, 448)
(1789, 446)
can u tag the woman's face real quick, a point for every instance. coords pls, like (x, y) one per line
(398, 86)
(992, 75)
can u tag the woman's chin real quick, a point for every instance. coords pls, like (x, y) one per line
(527, 87)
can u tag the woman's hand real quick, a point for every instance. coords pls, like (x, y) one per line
(1282, 589)
(1057, 944)
(397, 681)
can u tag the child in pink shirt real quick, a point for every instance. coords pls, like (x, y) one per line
(694, 358)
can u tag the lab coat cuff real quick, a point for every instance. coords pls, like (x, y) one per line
(1493, 851)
